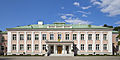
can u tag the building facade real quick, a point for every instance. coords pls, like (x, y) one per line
(59, 39)
(3, 43)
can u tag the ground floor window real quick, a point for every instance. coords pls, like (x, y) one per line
(105, 47)
(28, 46)
(21, 47)
(14, 47)
(82, 46)
(44, 47)
(36, 47)
(90, 47)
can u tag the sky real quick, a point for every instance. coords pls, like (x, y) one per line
(25, 12)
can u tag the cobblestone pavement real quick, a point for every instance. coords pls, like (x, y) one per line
(61, 58)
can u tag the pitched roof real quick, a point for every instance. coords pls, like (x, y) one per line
(76, 26)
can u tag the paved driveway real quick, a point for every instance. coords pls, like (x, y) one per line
(61, 58)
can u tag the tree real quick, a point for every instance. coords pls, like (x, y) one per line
(105, 25)
(117, 28)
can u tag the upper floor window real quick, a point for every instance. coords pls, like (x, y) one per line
(36, 47)
(21, 47)
(28, 46)
(82, 36)
(59, 36)
(74, 36)
(89, 36)
(90, 47)
(36, 36)
(82, 46)
(97, 46)
(21, 36)
(28, 36)
(44, 36)
(14, 36)
(51, 36)
(105, 47)
(67, 36)
(97, 36)
(104, 36)
(14, 47)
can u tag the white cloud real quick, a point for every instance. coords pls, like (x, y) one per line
(76, 3)
(112, 7)
(118, 22)
(84, 12)
(87, 7)
(96, 3)
(77, 21)
(65, 16)
(84, 15)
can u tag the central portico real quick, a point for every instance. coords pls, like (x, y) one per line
(59, 47)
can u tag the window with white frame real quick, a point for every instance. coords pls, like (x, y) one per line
(21, 36)
(51, 36)
(28, 36)
(67, 36)
(28, 46)
(97, 46)
(21, 47)
(89, 46)
(14, 36)
(97, 36)
(104, 36)
(59, 36)
(82, 46)
(36, 36)
(82, 36)
(14, 47)
(89, 36)
(105, 47)
(44, 47)
(36, 47)
(43, 36)
(74, 36)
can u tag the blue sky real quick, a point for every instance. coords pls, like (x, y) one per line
(24, 12)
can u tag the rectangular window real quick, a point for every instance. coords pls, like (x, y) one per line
(28, 36)
(28, 46)
(51, 36)
(36, 36)
(97, 36)
(44, 47)
(74, 36)
(44, 36)
(82, 36)
(104, 36)
(90, 47)
(82, 46)
(105, 47)
(21, 47)
(14, 47)
(97, 46)
(89, 36)
(14, 36)
(67, 36)
(59, 36)
(21, 36)
(36, 47)
(2, 47)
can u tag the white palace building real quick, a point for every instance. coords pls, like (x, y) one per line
(59, 39)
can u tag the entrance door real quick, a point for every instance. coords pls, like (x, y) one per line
(67, 49)
(52, 49)
(59, 49)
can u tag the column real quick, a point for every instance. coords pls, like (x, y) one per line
(78, 38)
(40, 44)
(94, 38)
(109, 46)
(32, 41)
(63, 49)
(86, 39)
(54, 49)
(17, 41)
(25, 40)
(101, 41)
(9, 42)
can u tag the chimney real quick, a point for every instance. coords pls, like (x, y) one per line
(40, 22)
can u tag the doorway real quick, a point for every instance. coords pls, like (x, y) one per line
(59, 49)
